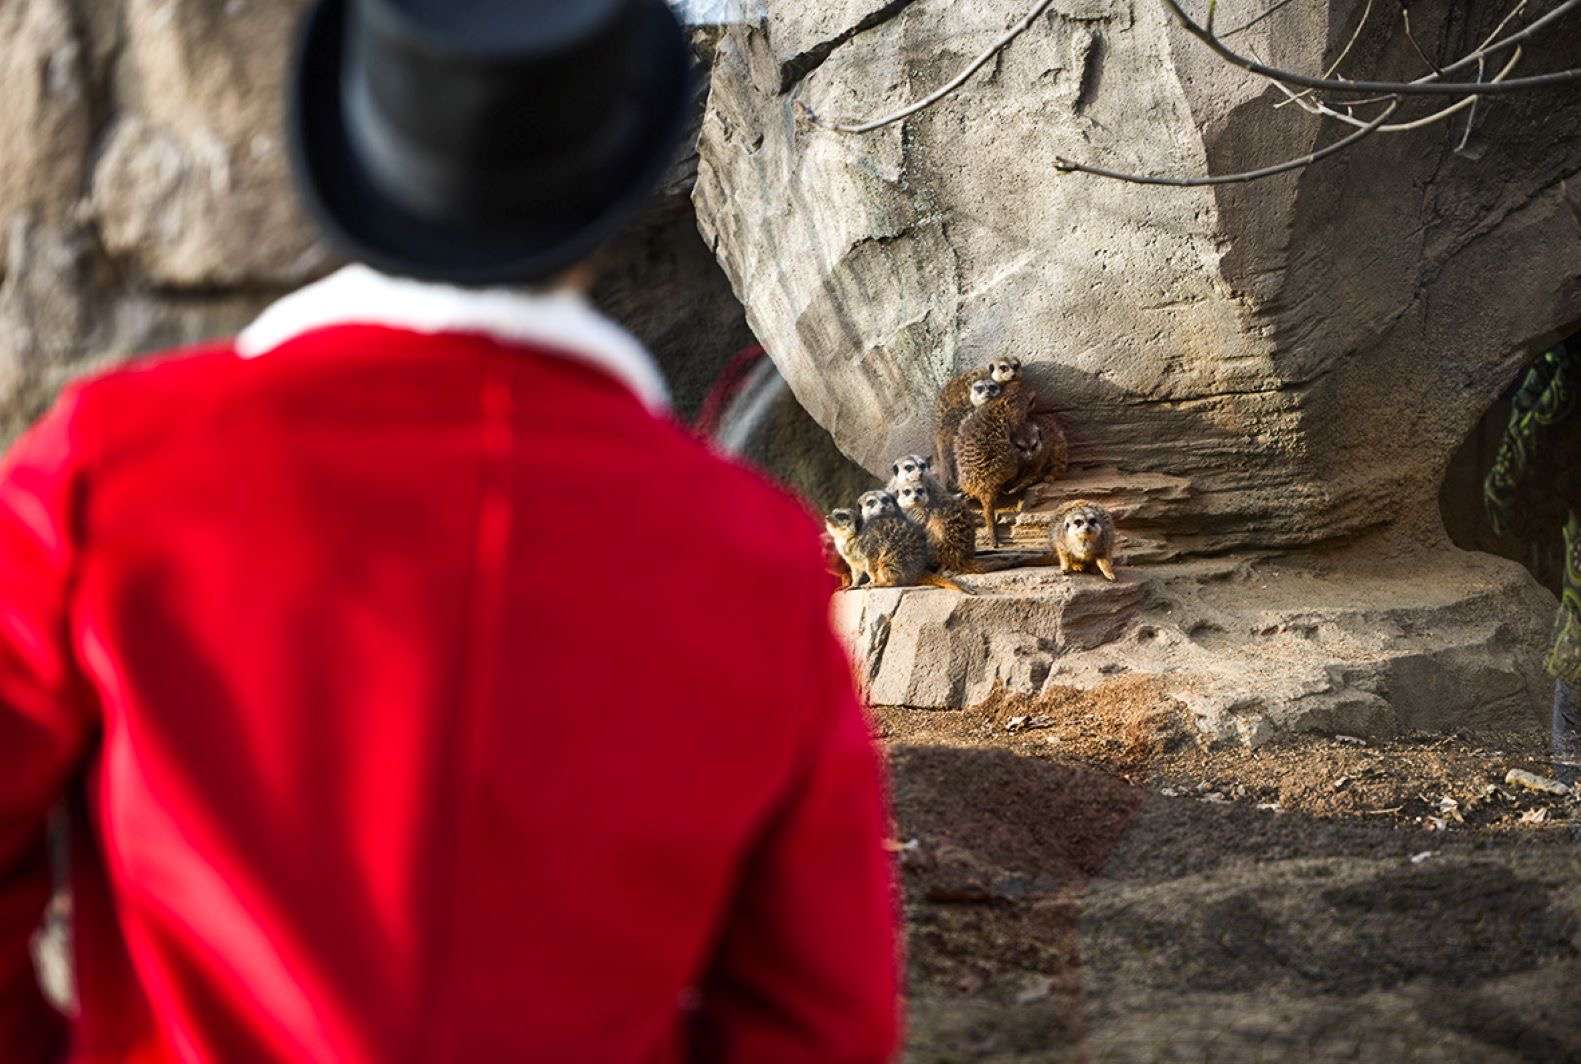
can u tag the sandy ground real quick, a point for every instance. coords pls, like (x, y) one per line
(1083, 882)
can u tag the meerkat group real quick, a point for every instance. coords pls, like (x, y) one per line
(992, 443)
(884, 547)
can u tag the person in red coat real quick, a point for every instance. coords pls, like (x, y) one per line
(419, 690)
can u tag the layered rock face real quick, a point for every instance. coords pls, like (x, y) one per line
(1282, 367)
(1268, 365)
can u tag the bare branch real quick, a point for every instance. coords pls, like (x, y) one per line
(1471, 119)
(1320, 108)
(1064, 165)
(950, 86)
(1280, 6)
(1421, 87)
(1480, 54)
(1334, 66)
(1405, 18)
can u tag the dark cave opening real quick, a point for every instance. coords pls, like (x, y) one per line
(1460, 499)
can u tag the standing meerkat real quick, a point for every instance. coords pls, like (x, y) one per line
(951, 528)
(842, 527)
(891, 549)
(986, 456)
(954, 405)
(1083, 537)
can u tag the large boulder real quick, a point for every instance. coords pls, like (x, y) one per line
(1301, 355)
(1284, 366)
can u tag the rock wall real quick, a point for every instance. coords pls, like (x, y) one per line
(142, 194)
(145, 203)
(1271, 365)
(1265, 381)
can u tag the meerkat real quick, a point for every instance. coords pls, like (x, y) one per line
(954, 405)
(842, 527)
(1083, 537)
(986, 456)
(951, 528)
(834, 561)
(1045, 452)
(914, 471)
(892, 549)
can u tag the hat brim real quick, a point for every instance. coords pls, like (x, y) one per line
(369, 226)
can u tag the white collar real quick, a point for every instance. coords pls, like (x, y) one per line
(562, 321)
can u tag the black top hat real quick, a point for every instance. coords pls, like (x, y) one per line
(485, 142)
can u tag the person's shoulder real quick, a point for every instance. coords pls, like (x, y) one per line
(195, 368)
(100, 405)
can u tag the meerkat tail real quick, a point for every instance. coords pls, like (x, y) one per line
(1060, 464)
(992, 518)
(1106, 567)
(941, 456)
(942, 582)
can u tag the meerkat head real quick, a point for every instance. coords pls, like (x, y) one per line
(1005, 370)
(878, 504)
(840, 523)
(1084, 527)
(912, 497)
(985, 392)
(911, 468)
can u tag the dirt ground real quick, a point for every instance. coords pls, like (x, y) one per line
(1084, 883)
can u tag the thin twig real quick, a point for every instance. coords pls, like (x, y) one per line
(1382, 812)
(1421, 87)
(1334, 66)
(1280, 6)
(1320, 108)
(950, 86)
(1471, 119)
(1405, 17)
(1064, 165)
(1480, 54)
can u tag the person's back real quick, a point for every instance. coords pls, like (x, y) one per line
(426, 695)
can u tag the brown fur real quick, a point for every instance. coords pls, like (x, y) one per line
(915, 471)
(841, 529)
(986, 456)
(951, 528)
(1045, 452)
(892, 549)
(1079, 552)
(954, 406)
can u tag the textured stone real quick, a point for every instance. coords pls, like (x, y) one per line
(1253, 648)
(192, 186)
(45, 123)
(1283, 366)
(1301, 354)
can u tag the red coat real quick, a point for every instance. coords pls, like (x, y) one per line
(430, 700)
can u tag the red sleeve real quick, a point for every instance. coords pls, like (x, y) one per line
(808, 968)
(42, 729)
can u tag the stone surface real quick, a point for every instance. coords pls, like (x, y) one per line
(1279, 367)
(46, 122)
(192, 185)
(1301, 355)
(1358, 645)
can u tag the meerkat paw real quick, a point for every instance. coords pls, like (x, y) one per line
(1106, 567)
